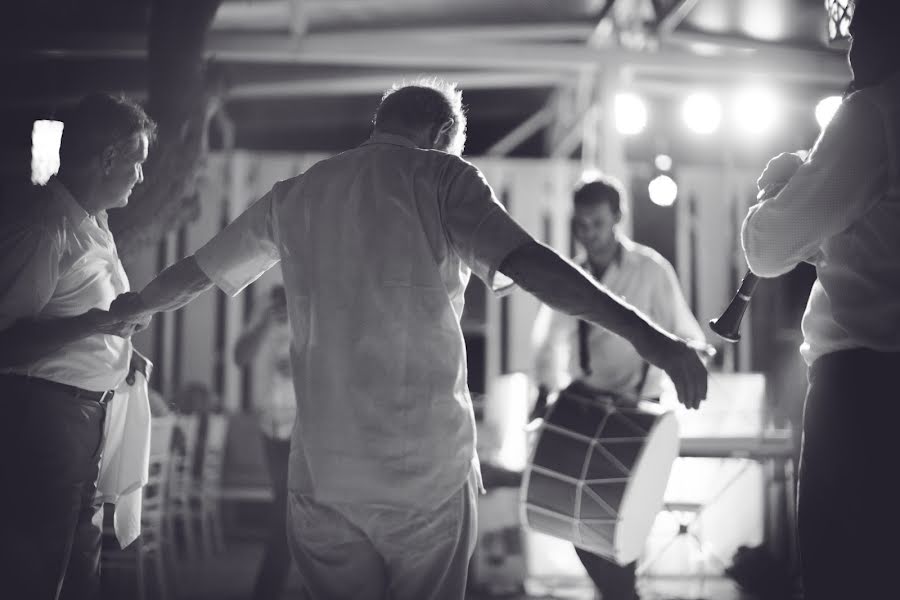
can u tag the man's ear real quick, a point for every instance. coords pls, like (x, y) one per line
(443, 132)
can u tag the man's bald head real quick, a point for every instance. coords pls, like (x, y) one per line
(428, 111)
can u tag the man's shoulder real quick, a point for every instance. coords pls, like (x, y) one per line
(864, 108)
(455, 168)
(644, 255)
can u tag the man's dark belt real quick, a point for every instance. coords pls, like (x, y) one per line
(76, 392)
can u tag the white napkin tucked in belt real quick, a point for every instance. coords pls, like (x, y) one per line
(126, 451)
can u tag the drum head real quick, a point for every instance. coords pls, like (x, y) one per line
(643, 497)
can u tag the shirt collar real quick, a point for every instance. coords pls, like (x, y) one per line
(622, 245)
(625, 250)
(620, 252)
(389, 138)
(65, 199)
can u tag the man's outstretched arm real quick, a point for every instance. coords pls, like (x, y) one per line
(561, 285)
(175, 287)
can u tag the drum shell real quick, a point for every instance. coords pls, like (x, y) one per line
(590, 479)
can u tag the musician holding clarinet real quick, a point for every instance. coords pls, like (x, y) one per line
(840, 210)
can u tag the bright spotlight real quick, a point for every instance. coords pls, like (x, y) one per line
(702, 113)
(45, 139)
(826, 108)
(663, 190)
(663, 162)
(756, 110)
(631, 114)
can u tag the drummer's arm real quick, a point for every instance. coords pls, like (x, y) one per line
(545, 359)
(674, 313)
(547, 336)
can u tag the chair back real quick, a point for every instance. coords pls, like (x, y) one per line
(184, 451)
(156, 490)
(214, 454)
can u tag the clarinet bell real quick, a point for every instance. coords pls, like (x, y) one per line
(728, 325)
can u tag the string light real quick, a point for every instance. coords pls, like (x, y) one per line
(631, 113)
(663, 190)
(756, 110)
(702, 113)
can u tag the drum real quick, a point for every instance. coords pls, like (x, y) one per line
(597, 472)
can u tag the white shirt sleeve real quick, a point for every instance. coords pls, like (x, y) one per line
(478, 226)
(239, 254)
(675, 314)
(837, 184)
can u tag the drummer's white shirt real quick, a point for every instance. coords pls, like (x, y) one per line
(376, 247)
(841, 212)
(646, 280)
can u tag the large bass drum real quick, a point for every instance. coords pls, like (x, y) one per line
(597, 472)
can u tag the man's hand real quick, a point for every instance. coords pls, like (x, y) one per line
(102, 321)
(130, 306)
(682, 363)
(779, 170)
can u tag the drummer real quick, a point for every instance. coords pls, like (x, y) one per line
(570, 350)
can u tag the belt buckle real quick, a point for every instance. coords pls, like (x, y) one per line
(107, 396)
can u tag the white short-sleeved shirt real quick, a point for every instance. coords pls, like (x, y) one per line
(57, 261)
(376, 246)
(644, 279)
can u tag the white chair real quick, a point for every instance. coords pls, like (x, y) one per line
(207, 491)
(149, 545)
(181, 507)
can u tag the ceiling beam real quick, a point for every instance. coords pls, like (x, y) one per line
(286, 88)
(376, 84)
(262, 17)
(673, 16)
(402, 50)
(521, 132)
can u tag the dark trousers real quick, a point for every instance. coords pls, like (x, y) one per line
(849, 493)
(277, 559)
(615, 582)
(50, 445)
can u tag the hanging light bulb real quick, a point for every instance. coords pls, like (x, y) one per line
(702, 113)
(663, 190)
(631, 113)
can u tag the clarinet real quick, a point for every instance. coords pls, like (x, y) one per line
(728, 325)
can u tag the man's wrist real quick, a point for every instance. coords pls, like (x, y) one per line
(90, 321)
(649, 339)
(144, 305)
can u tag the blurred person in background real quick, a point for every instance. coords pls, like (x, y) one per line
(266, 344)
